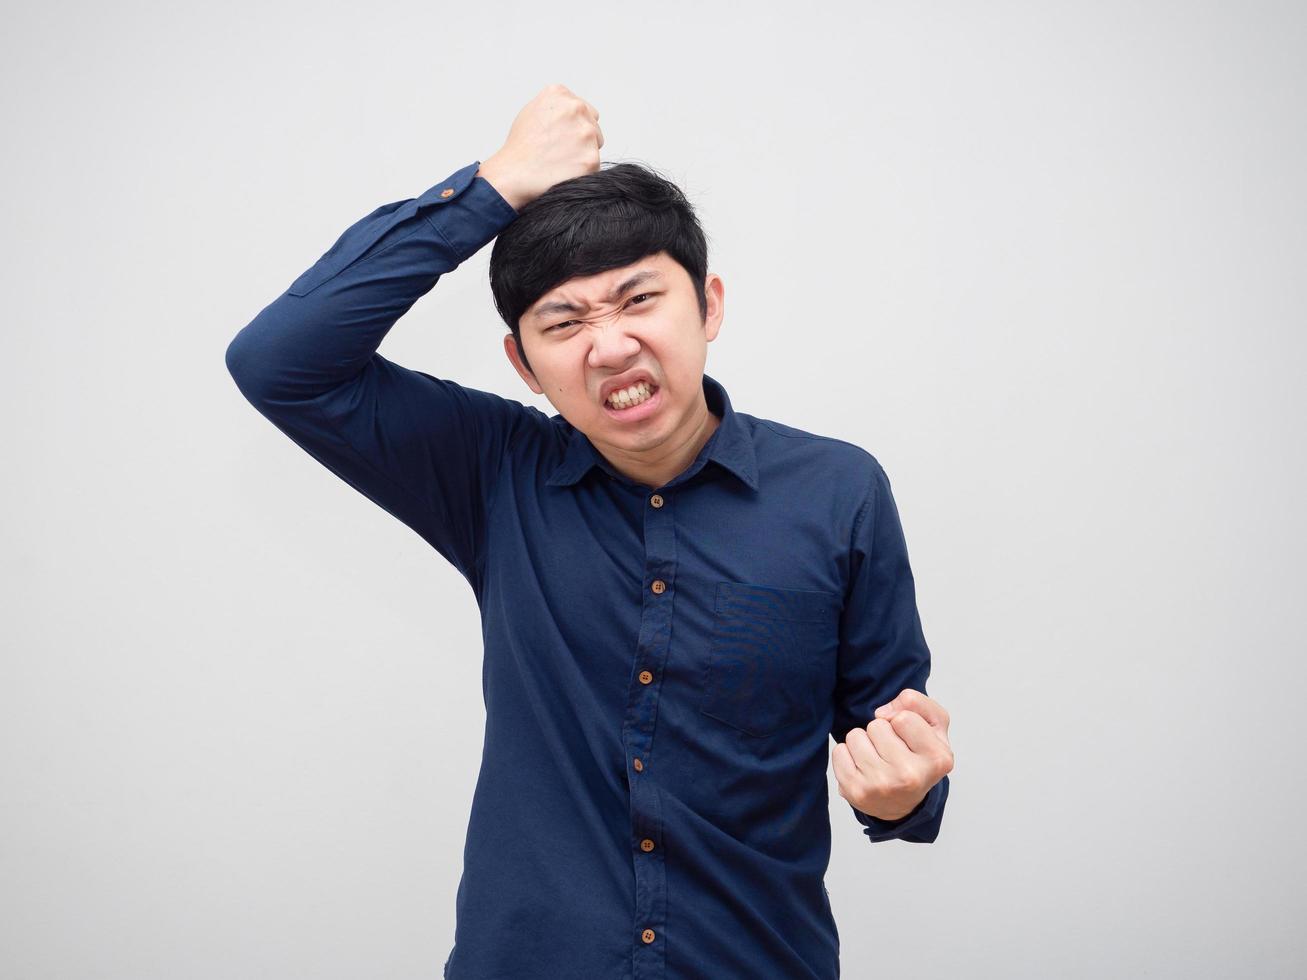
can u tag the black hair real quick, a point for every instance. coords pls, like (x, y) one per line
(589, 224)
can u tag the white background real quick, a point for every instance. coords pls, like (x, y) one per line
(1044, 260)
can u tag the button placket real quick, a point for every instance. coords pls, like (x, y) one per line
(649, 958)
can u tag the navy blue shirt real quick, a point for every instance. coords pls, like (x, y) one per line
(663, 667)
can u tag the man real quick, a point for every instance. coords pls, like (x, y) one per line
(680, 603)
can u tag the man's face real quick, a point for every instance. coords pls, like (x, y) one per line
(641, 320)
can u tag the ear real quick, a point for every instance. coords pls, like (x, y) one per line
(510, 348)
(714, 293)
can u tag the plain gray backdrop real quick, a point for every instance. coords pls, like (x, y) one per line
(1044, 260)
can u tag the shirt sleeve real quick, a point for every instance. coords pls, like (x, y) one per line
(427, 450)
(882, 647)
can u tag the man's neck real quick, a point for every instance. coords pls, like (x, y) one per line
(654, 473)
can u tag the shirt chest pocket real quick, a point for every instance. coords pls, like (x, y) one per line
(771, 655)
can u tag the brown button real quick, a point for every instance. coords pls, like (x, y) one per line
(647, 935)
(447, 191)
(659, 586)
(645, 677)
(646, 845)
(656, 500)
(639, 766)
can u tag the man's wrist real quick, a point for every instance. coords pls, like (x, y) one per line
(491, 172)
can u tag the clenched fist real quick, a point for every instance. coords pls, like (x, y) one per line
(555, 137)
(887, 768)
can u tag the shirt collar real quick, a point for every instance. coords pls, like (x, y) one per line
(730, 446)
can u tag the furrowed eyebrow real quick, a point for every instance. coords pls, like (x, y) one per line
(639, 278)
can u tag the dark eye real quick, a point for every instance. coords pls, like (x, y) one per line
(568, 323)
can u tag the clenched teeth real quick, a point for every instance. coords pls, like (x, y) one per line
(627, 397)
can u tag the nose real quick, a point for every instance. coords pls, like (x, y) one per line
(613, 345)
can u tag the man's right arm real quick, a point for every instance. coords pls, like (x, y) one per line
(424, 449)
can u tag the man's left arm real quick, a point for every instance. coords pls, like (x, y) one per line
(892, 755)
